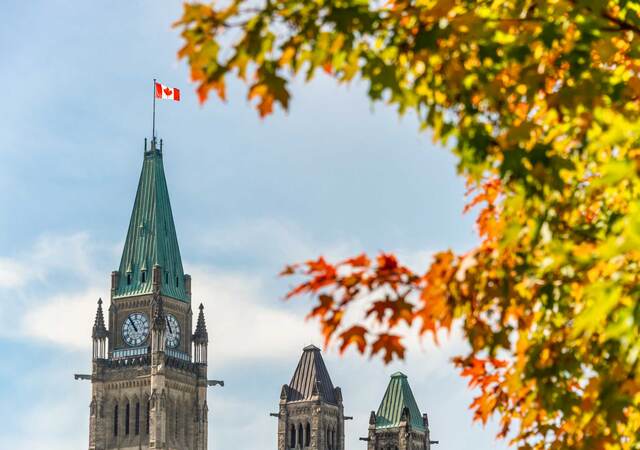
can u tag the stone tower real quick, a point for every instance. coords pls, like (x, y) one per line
(398, 424)
(311, 415)
(149, 373)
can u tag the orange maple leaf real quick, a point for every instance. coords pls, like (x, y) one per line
(354, 336)
(391, 344)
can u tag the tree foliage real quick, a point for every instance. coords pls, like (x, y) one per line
(539, 100)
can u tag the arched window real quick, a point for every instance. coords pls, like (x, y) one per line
(115, 420)
(300, 436)
(176, 281)
(307, 436)
(292, 436)
(128, 278)
(148, 414)
(137, 418)
(126, 419)
(328, 436)
(166, 278)
(144, 276)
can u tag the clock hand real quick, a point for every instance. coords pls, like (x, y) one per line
(133, 324)
(169, 325)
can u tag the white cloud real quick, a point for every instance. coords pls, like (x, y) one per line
(12, 273)
(244, 323)
(63, 319)
(54, 286)
(74, 254)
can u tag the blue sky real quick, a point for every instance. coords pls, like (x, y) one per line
(334, 176)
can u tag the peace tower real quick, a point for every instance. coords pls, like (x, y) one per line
(149, 372)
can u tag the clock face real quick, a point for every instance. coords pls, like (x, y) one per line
(172, 332)
(135, 329)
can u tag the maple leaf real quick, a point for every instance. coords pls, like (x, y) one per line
(325, 305)
(398, 310)
(390, 344)
(269, 88)
(355, 335)
(330, 325)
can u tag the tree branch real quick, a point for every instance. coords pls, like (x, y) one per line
(621, 23)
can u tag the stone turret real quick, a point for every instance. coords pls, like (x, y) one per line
(311, 414)
(398, 424)
(99, 334)
(200, 339)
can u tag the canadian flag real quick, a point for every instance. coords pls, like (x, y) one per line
(166, 92)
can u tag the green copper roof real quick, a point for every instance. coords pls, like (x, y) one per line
(151, 238)
(397, 397)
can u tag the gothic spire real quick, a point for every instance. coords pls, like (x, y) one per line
(99, 329)
(151, 237)
(311, 378)
(201, 335)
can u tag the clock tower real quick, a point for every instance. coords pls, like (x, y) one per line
(149, 371)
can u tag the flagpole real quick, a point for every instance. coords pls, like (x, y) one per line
(153, 131)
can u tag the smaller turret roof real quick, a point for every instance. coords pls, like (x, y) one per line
(397, 398)
(311, 378)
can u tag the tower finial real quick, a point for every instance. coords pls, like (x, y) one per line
(99, 334)
(200, 338)
(201, 335)
(99, 329)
